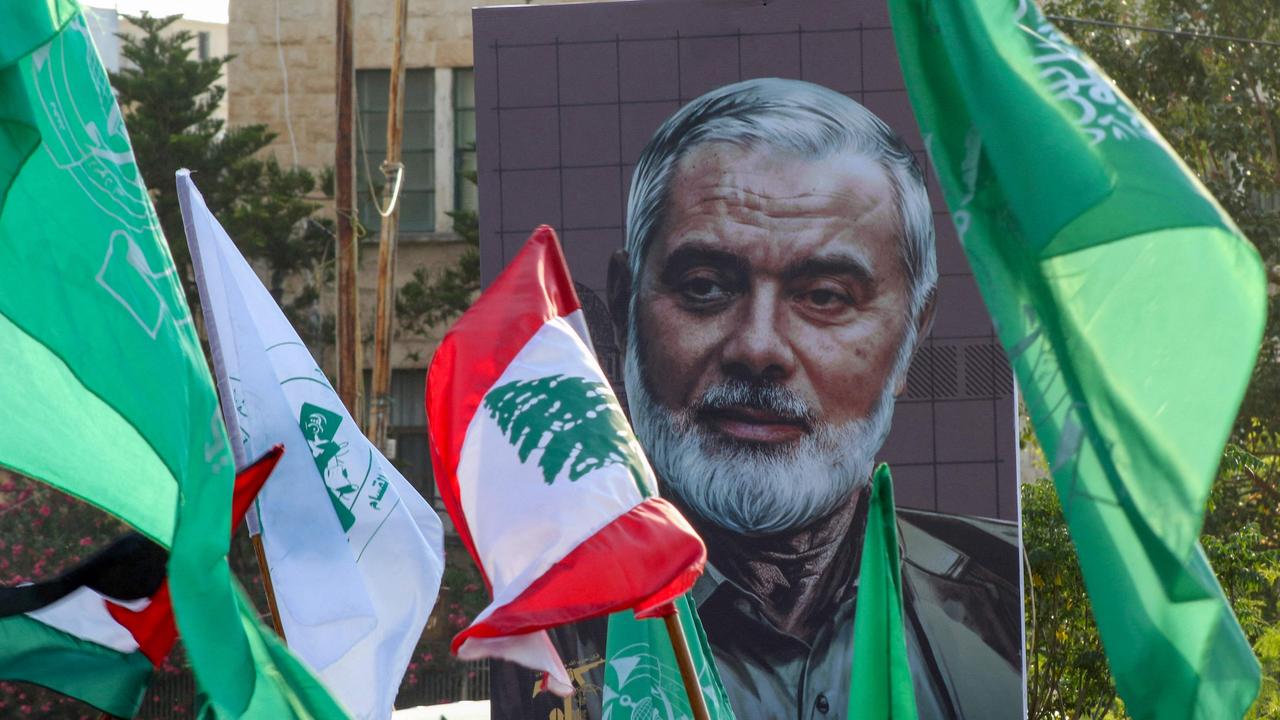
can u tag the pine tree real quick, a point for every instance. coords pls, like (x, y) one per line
(169, 99)
(427, 300)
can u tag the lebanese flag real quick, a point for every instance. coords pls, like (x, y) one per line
(545, 482)
(96, 631)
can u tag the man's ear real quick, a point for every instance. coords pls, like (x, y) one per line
(618, 292)
(924, 324)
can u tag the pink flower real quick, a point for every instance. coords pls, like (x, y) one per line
(86, 541)
(45, 510)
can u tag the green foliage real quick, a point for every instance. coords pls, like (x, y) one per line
(432, 299)
(1067, 673)
(1267, 648)
(573, 421)
(1247, 492)
(169, 99)
(1240, 538)
(425, 301)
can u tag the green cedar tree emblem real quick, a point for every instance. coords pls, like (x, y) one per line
(576, 423)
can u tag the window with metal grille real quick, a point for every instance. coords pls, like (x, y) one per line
(417, 195)
(465, 193)
(407, 426)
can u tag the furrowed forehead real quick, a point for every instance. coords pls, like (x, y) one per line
(793, 116)
(721, 187)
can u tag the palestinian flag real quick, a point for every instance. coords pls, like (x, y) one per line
(535, 461)
(97, 631)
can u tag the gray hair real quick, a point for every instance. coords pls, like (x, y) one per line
(798, 117)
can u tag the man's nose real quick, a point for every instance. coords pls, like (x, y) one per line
(758, 347)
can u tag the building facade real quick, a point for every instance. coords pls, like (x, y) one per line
(283, 75)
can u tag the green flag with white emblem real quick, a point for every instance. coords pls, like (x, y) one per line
(105, 391)
(1131, 308)
(641, 677)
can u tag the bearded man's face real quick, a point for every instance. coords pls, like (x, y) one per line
(770, 331)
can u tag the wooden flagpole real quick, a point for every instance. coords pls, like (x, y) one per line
(344, 166)
(680, 643)
(394, 170)
(266, 584)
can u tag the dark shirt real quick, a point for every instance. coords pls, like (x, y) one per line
(963, 618)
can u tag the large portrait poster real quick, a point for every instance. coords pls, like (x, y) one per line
(774, 286)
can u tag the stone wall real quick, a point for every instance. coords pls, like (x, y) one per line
(437, 35)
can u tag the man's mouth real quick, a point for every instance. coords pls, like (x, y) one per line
(753, 424)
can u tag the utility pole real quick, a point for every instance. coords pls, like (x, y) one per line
(394, 171)
(344, 164)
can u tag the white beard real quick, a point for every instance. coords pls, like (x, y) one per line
(747, 488)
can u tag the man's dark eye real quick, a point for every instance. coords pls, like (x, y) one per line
(703, 289)
(825, 298)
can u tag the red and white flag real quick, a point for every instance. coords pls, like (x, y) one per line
(548, 487)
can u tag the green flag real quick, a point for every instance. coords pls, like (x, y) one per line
(641, 678)
(881, 686)
(1132, 310)
(105, 389)
(110, 680)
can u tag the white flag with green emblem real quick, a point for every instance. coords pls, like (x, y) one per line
(355, 553)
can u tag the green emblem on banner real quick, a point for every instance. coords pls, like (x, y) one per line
(642, 679)
(319, 426)
(576, 423)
